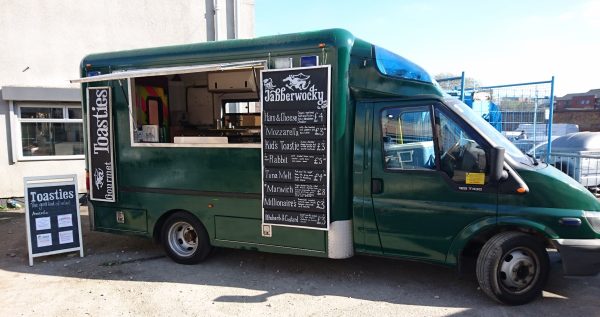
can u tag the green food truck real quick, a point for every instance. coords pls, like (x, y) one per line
(321, 144)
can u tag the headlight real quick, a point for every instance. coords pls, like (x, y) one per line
(593, 217)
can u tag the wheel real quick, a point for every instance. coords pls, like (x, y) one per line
(185, 239)
(512, 268)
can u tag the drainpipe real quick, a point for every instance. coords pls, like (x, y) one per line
(236, 19)
(216, 8)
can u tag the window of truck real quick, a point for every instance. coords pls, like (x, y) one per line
(462, 158)
(486, 129)
(202, 109)
(393, 65)
(407, 138)
(411, 142)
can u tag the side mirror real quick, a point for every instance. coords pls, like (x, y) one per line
(497, 172)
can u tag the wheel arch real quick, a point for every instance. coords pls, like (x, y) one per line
(472, 238)
(157, 228)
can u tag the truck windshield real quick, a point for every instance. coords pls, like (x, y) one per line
(486, 128)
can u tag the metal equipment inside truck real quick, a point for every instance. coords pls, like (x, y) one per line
(321, 144)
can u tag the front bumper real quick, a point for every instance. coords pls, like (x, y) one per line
(580, 257)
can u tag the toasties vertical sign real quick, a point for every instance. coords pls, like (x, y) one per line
(100, 144)
(295, 146)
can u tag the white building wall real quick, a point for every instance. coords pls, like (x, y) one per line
(44, 42)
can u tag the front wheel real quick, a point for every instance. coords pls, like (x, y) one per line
(185, 239)
(512, 268)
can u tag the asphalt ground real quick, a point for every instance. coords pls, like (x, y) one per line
(130, 276)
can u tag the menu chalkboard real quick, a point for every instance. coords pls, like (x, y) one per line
(52, 215)
(295, 146)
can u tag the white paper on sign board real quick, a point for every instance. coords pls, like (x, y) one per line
(44, 240)
(42, 223)
(65, 220)
(65, 237)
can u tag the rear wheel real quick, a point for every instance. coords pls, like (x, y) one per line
(512, 268)
(185, 239)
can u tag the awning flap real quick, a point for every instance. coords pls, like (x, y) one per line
(162, 71)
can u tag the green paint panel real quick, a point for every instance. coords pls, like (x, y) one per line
(134, 220)
(552, 196)
(249, 230)
(551, 188)
(268, 248)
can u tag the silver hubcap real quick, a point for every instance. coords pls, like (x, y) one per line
(183, 239)
(518, 270)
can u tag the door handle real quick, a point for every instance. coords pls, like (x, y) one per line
(376, 186)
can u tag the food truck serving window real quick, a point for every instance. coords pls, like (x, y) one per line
(394, 65)
(195, 109)
(191, 106)
(214, 108)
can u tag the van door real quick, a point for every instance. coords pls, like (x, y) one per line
(429, 178)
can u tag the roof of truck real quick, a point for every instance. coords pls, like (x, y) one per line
(338, 38)
(380, 72)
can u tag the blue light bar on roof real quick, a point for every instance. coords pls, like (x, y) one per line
(397, 66)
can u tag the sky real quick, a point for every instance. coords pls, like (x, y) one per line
(494, 42)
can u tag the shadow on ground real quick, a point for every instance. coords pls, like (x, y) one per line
(115, 257)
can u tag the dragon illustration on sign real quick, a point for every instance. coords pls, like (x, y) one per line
(99, 178)
(297, 82)
(268, 84)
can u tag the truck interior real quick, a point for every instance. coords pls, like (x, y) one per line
(199, 108)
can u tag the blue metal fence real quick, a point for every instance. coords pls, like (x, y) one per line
(524, 110)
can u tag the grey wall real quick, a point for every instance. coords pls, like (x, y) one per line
(43, 43)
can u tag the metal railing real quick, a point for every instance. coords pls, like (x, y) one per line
(584, 168)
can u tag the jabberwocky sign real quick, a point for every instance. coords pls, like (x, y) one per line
(100, 145)
(295, 146)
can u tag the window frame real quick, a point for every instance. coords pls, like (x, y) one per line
(440, 107)
(18, 136)
(434, 107)
(409, 108)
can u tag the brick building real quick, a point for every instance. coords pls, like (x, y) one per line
(579, 101)
(582, 109)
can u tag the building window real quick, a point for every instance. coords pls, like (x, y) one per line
(50, 130)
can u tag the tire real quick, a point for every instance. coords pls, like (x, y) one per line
(185, 239)
(512, 268)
